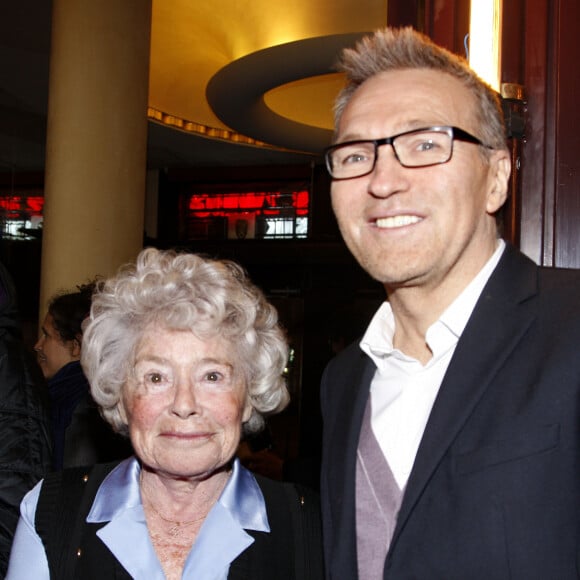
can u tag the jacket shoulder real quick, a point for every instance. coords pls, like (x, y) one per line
(292, 550)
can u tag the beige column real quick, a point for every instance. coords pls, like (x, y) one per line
(96, 140)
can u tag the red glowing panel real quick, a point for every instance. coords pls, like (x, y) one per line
(35, 204)
(231, 202)
(221, 211)
(301, 200)
(29, 204)
(11, 203)
(197, 202)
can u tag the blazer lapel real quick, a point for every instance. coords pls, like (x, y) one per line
(500, 319)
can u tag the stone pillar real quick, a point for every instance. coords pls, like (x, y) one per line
(96, 140)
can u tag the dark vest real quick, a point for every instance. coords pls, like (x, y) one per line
(291, 551)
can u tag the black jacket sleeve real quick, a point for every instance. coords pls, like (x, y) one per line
(25, 445)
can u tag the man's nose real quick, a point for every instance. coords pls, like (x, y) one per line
(388, 175)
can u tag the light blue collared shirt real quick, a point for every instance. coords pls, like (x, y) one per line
(220, 541)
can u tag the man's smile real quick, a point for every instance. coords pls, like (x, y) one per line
(397, 221)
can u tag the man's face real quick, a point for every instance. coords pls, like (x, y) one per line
(419, 226)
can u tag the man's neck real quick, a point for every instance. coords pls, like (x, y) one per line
(413, 316)
(416, 307)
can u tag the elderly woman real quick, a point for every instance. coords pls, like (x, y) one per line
(183, 354)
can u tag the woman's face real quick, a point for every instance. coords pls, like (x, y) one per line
(52, 352)
(184, 403)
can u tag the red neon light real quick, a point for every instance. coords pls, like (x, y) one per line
(302, 200)
(204, 205)
(32, 205)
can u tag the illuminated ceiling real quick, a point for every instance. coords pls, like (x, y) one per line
(253, 71)
(271, 56)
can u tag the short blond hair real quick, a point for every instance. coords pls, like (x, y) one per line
(391, 49)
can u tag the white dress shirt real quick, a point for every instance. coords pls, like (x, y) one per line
(403, 390)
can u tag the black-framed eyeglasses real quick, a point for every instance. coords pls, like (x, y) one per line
(416, 148)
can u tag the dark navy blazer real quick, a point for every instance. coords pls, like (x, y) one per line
(495, 488)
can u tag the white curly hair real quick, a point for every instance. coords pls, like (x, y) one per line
(181, 291)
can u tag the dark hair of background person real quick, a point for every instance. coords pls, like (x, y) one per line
(68, 311)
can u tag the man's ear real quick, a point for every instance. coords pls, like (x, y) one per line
(500, 166)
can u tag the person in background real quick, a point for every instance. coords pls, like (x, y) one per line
(25, 443)
(451, 444)
(183, 354)
(80, 436)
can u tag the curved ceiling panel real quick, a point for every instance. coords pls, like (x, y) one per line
(309, 101)
(236, 92)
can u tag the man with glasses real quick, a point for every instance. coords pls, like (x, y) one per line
(452, 429)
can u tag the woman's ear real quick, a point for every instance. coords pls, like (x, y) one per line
(75, 350)
(499, 174)
(248, 409)
(121, 410)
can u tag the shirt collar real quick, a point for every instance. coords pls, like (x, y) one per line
(457, 314)
(119, 493)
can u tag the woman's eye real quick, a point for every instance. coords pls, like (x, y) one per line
(213, 377)
(154, 378)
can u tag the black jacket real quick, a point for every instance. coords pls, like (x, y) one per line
(25, 448)
(495, 488)
(292, 550)
(80, 435)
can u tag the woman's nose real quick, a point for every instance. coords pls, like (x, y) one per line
(185, 400)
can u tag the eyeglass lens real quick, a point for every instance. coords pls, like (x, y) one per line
(412, 149)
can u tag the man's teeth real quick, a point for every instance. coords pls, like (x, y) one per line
(397, 221)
